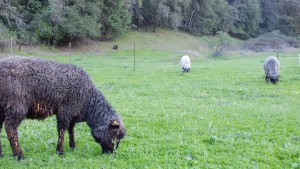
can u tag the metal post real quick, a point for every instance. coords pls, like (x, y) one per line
(70, 50)
(11, 41)
(134, 56)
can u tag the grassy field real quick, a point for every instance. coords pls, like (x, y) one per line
(222, 114)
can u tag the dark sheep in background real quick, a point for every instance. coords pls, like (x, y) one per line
(115, 47)
(271, 67)
(36, 88)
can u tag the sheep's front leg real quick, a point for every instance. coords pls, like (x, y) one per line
(1, 125)
(267, 79)
(1, 155)
(72, 143)
(62, 125)
(12, 135)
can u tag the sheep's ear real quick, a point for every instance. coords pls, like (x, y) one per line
(115, 123)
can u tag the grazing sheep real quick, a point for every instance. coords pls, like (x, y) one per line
(271, 67)
(185, 63)
(36, 88)
(115, 47)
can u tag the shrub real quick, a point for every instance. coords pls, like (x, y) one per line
(271, 41)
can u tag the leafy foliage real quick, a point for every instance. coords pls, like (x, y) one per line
(249, 19)
(223, 41)
(3, 31)
(271, 41)
(115, 18)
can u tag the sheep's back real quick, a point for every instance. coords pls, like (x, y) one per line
(271, 65)
(185, 61)
(38, 79)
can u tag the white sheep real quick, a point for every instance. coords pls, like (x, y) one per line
(271, 67)
(185, 63)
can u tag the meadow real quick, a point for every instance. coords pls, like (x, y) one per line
(222, 114)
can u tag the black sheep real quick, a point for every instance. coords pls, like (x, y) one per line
(115, 47)
(37, 88)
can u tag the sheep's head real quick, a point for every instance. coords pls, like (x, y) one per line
(187, 69)
(109, 136)
(274, 79)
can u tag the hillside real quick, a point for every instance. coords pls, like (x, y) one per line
(163, 39)
(166, 40)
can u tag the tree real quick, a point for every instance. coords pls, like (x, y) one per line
(45, 24)
(81, 19)
(223, 41)
(249, 21)
(59, 21)
(254, 17)
(287, 25)
(175, 15)
(202, 18)
(10, 15)
(4, 34)
(226, 13)
(155, 13)
(270, 15)
(136, 10)
(115, 18)
(3, 31)
(62, 21)
(182, 9)
(289, 21)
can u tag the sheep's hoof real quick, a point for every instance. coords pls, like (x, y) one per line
(72, 146)
(19, 156)
(60, 152)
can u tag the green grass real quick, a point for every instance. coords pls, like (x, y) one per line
(222, 114)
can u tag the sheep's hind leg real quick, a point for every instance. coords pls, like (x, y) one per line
(72, 143)
(12, 135)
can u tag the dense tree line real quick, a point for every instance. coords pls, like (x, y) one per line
(60, 21)
(239, 18)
